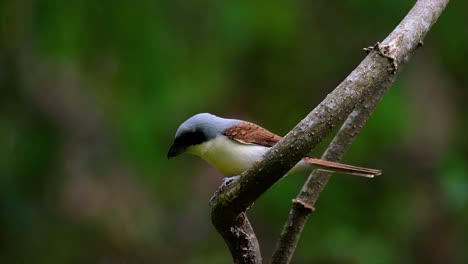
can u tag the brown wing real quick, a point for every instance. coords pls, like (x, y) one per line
(250, 133)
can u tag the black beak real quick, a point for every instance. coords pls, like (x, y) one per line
(174, 151)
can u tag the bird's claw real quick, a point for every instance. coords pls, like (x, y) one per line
(226, 181)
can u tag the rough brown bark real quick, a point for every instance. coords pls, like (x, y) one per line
(375, 73)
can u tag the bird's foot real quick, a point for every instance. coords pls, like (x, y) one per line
(226, 181)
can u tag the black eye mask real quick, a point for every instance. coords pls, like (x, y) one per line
(182, 142)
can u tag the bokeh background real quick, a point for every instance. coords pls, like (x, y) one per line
(93, 91)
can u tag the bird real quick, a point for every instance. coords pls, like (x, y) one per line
(232, 146)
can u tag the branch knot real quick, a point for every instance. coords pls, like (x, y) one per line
(387, 51)
(303, 205)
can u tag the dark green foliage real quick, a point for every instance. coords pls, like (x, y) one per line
(91, 94)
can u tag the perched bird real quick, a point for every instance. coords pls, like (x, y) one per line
(232, 146)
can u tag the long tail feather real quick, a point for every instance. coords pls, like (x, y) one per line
(331, 166)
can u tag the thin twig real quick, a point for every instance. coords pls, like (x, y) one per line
(376, 70)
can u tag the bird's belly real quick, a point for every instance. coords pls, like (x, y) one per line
(232, 158)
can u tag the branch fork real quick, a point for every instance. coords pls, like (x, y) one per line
(355, 98)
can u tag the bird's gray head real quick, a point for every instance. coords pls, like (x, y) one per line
(198, 129)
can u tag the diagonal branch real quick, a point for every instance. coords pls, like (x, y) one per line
(377, 70)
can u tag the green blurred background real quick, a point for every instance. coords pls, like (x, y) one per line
(93, 91)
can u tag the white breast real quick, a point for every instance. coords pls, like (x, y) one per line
(229, 157)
